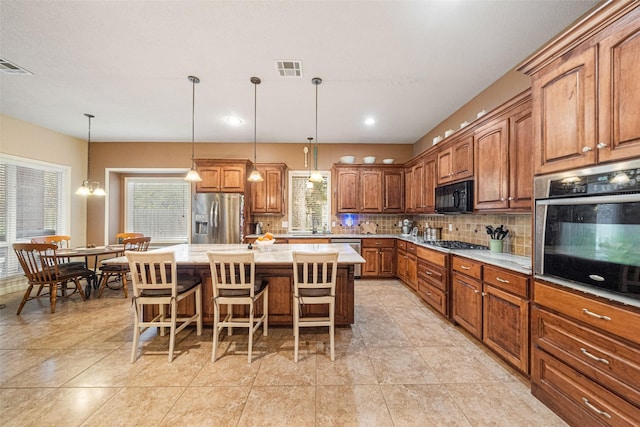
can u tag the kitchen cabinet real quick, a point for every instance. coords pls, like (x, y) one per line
(455, 160)
(492, 304)
(586, 92)
(586, 356)
(268, 196)
(407, 263)
(504, 169)
(221, 175)
(379, 255)
(368, 189)
(420, 182)
(433, 283)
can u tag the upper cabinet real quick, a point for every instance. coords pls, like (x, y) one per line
(420, 181)
(368, 189)
(221, 175)
(455, 160)
(504, 171)
(586, 92)
(268, 196)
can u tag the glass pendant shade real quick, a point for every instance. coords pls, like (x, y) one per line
(90, 188)
(255, 175)
(192, 175)
(316, 176)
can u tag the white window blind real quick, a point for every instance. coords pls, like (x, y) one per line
(158, 207)
(32, 201)
(309, 203)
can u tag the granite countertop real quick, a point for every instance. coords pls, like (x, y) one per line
(518, 263)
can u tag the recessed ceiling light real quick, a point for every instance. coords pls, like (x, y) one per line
(233, 120)
(369, 121)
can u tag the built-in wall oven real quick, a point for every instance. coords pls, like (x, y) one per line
(587, 228)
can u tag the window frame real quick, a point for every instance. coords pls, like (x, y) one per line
(305, 173)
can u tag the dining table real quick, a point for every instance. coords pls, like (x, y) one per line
(91, 253)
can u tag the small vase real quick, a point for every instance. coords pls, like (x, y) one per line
(495, 245)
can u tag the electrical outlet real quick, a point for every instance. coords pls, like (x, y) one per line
(285, 224)
(450, 227)
(333, 223)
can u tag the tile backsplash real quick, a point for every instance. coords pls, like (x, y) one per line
(468, 228)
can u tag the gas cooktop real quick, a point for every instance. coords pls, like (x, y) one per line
(454, 244)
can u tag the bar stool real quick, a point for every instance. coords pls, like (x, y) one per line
(314, 282)
(233, 278)
(107, 271)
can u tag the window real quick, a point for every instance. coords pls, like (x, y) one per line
(158, 207)
(33, 202)
(309, 203)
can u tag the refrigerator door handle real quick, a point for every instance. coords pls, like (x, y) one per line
(214, 213)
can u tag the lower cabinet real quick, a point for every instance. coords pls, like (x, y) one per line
(586, 357)
(407, 263)
(379, 255)
(433, 283)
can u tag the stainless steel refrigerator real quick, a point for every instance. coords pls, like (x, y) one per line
(217, 218)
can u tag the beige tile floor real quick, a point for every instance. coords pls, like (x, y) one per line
(399, 364)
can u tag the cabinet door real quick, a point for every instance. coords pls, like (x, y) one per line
(521, 160)
(467, 303)
(392, 188)
(506, 326)
(412, 271)
(445, 166)
(401, 265)
(232, 179)
(387, 264)
(463, 158)
(429, 183)
(347, 188)
(408, 190)
(564, 97)
(371, 266)
(210, 179)
(492, 166)
(371, 191)
(267, 195)
(619, 91)
(417, 189)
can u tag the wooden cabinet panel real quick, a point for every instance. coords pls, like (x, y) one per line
(429, 183)
(456, 161)
(467, 303)
(393, 191)
(467, 266)
(268, 196)
(492, 166)
(387, 262)
(409, 204)
(401, 265)
(372, 266)
(221, 175)
(445, 166)
(370, 190)
(507, 280)
(417, 186)
(433, 296)
(347, 190)
(619, 90)
(521, 160)
(379, 255)
(506, 325)
(210, 179)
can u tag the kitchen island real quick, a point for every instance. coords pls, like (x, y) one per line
(274, 264)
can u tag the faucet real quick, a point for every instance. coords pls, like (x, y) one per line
(314, 225)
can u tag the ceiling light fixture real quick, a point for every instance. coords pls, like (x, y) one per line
(316, 176)
(370, 121)
(233, 120)
(255, 174)
(90, 188)
(193, 175)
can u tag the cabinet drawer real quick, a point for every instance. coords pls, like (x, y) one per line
(609, 318)
(435, 297)
(468, 267)
(401, 244)
(511, 282)
(616, 365)
(433, 274)
(434, 257)
(378, 243)
(579, 400)
(412, 248)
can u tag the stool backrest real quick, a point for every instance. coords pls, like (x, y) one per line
(232, 273)
(315, 270)
(121, 236)
(153, 272)
(137, 244)
(61, 241)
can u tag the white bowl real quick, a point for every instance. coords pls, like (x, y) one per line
(387, 161)
(263, 243)
(347, 159)
(448, 133)
(369, 159)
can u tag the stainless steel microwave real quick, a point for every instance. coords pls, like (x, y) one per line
(587, 227)
(455, 198)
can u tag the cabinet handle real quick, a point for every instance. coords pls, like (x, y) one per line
(586, 149)
(509, 198)
(484, 294)
(601, 145)
(464, 267)
(428, 293)
(476, 291)
(591, 356)
(594, 409)
(596, 315)
(502, 199)
(501, 280)
(428, 273)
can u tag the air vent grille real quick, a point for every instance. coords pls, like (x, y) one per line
(8, 67)
(289, 68)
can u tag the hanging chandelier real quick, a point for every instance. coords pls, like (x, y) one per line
(316, 176)
(90, 188)
(193, 175)
(255, 175)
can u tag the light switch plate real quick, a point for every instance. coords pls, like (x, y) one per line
(285, 224)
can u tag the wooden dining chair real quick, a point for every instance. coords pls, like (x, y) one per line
(156, 283)
(121, 236)
(108, 271)
(40, 266)
(314, 282)
(62, 242)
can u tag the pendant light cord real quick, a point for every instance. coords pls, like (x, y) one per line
(255, 124)
(89, 116)
(193, 119)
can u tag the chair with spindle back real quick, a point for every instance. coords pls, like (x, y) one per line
(121, 236)
(107, 271)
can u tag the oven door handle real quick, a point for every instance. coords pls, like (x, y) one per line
(593, 200)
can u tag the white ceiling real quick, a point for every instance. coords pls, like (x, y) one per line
(409, 64)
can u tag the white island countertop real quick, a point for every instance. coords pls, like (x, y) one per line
(273, 254)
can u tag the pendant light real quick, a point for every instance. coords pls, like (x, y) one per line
(310, 183)
(316, 176)
(255, 173)
(89, 188)
(193, 175)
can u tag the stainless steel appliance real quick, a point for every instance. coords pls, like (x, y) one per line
(406, 227)
(588, 227)
(356, 244)
(455, 198)
(455, 244)
(217, 218)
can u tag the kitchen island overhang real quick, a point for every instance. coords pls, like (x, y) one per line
(274, 264)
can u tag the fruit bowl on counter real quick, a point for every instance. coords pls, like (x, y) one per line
(264, 241)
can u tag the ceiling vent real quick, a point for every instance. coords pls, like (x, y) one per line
(289, 68)
(10, 68)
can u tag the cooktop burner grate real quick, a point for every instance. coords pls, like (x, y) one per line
(454, 244)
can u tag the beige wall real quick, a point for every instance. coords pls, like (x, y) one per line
(22, 139)
(495, 95)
